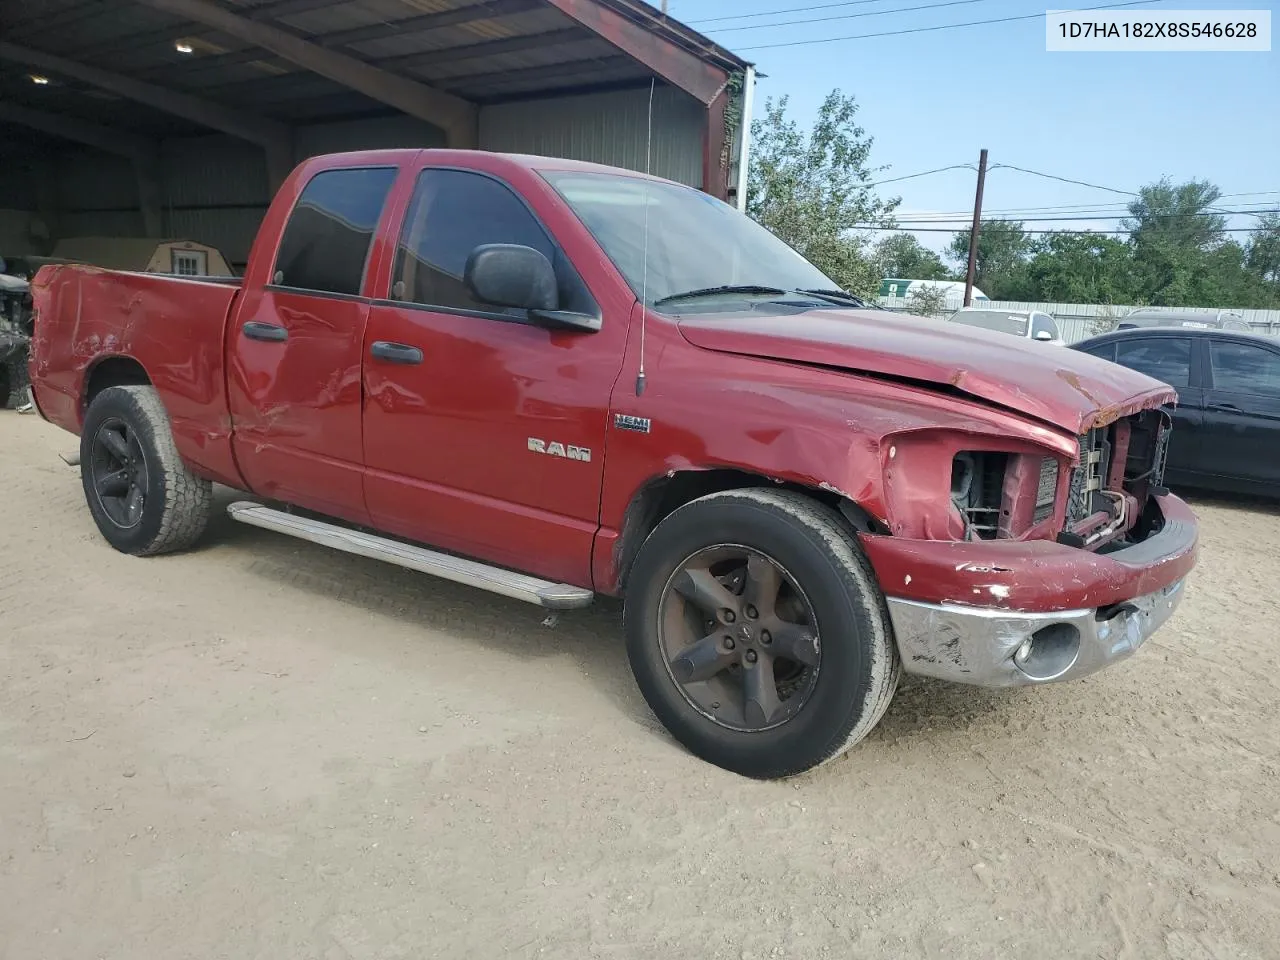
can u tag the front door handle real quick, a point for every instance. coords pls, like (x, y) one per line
(395, 352)
(265, 331)
(1223, 408)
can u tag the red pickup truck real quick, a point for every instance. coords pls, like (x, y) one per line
(552, 380)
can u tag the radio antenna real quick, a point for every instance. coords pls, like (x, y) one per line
(644, 271)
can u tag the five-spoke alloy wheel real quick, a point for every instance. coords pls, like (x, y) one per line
(757, 632)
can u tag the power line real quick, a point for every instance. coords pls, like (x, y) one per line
(1157, 216)
(1074, 233)
(944, 26)
(845, 16)
(923, 173)
(1054, 176)
(1029, 213)
(774, 13)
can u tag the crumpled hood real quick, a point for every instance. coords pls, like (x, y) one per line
(1067, 388)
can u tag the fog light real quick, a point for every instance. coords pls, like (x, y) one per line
(1023, 651)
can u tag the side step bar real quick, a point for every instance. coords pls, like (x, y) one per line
(519, 586)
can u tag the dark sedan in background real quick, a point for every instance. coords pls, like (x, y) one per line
(1226, 433)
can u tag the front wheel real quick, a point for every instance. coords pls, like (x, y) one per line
(757, 633)
(140, 493)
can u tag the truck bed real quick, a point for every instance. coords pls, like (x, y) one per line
(172, 326)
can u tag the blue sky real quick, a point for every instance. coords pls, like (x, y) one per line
(935, 99)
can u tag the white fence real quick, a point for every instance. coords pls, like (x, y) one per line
(1078, 321)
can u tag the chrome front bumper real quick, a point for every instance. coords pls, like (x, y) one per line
(984, 645)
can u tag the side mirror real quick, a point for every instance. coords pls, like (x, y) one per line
(1043, 335)
(511, 275)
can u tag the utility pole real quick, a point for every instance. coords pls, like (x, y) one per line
(973, 234)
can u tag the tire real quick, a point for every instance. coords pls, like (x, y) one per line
(851, 667)
(14, 380)
(174, 505)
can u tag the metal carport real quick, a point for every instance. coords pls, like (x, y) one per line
(178, 117)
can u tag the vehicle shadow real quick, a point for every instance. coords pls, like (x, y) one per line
(592, 638)
(1230, 501)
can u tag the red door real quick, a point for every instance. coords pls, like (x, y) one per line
(295, 349)
(484, 433)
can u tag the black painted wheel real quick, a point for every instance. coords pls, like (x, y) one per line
(739, 637)
(757, 632)
(118, 472)
(143, 498)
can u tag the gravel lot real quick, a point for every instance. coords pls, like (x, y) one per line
(261, 749)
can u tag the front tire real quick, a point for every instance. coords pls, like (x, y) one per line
(757, 633)
(141, 495)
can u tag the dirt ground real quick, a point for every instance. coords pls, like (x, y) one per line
(261, 749)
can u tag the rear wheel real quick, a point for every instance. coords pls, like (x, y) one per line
(14, 380)
(757, 632)
(140, 493)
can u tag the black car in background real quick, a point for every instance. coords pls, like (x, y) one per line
(1226, 433)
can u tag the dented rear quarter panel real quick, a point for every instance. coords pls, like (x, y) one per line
(172, 327)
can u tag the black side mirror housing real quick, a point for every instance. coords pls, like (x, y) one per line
(511, 275)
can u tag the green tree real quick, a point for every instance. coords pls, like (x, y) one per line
(811, 189)
(1263, 258)
(1003, 248)
(901, 255)
(1077, 268)
(928, 301)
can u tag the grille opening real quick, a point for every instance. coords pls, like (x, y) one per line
(977, 490)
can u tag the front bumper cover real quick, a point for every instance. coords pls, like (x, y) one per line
(963, 611)
(980, 645)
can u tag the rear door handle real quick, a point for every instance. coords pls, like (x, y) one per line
(395, 352)
(265, 331)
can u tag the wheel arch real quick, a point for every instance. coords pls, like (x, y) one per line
(117, 370)
(660, 496)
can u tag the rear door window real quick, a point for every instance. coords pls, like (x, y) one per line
(326, 242)
(1165, 358)
(1244, 368)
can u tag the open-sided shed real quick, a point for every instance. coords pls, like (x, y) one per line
(178, 117)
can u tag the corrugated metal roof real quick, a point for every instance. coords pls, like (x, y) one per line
(482, 50)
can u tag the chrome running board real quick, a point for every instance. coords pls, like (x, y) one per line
(508, 583)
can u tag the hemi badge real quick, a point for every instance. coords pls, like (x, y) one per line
(624, 421)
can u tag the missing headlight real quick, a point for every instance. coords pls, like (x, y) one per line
(977, 490)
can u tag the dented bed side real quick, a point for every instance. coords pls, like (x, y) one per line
(171, 327)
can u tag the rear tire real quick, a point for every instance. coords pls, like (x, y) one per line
(141, 495)
(14, 380)
(698, 634)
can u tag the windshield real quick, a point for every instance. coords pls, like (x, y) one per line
(993, 320)
(695, 242)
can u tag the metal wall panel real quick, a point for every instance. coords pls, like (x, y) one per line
(604, 128)
(90, 180)
(374, 133)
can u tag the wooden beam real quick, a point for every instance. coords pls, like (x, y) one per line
(672, 63)
(455, 115)
(81, 131)
(268, 133)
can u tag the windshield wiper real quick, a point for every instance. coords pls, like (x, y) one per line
(841, 297)
(712, 291)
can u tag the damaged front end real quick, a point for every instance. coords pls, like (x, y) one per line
(1046, 561)
(1099, 499)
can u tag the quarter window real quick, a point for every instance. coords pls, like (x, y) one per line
(326, 241)
(1244, 368)
(1165, 358)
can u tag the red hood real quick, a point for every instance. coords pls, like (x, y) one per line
(1064, 387)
